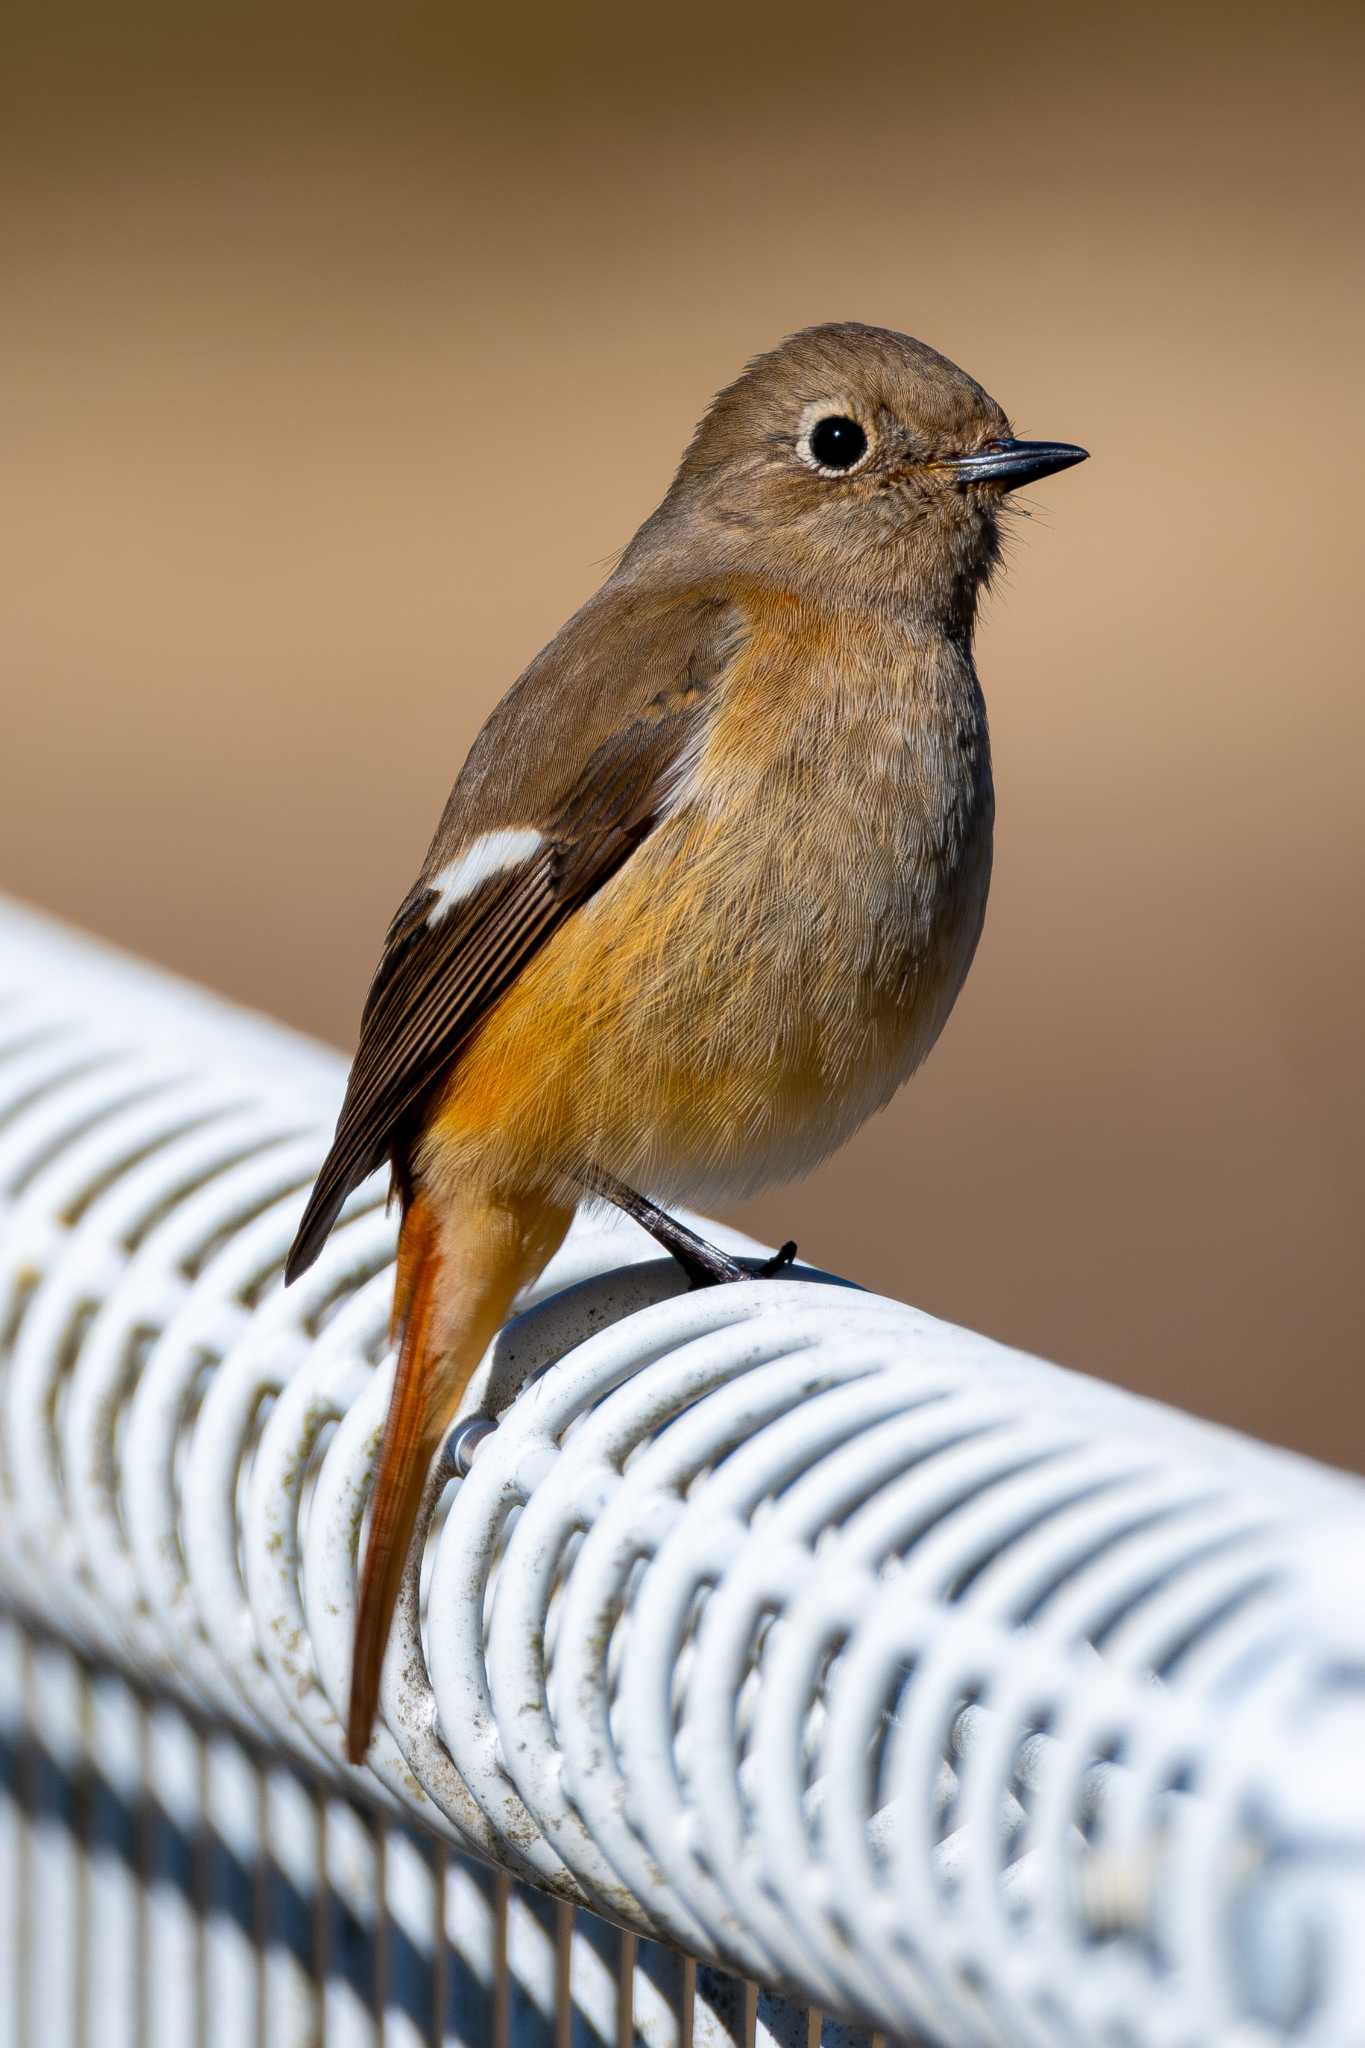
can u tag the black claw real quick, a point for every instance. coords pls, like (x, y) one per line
(778, 1263)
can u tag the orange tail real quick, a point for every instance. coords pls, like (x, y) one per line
(454, 1286)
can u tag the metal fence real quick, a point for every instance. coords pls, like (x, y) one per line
(783, 1666)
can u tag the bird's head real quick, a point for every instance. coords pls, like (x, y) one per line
(858, 459)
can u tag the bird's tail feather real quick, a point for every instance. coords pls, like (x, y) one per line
(453, 1287)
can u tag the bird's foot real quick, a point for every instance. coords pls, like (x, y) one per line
(705, 1265)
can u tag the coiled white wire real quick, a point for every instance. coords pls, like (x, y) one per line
(835, 1645)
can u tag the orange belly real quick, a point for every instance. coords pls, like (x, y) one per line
(728, 1010)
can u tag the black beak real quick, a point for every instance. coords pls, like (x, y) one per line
(1012, 463)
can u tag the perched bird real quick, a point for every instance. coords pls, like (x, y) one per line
(709, 882)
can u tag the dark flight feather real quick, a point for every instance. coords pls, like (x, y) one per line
(436, 982)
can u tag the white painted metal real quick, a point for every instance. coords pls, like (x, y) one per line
(846, 1662)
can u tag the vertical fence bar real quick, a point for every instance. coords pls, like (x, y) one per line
(591, 1994)
(14, 1845)
(532, 1968)
(170, 1762)
(13, 1829)
(116, 1904)
(293, 1845)
(470, 1927)
(662, 1995)
(351, 1876)
(411, 1883)
(58, 1870)
(234, 1853)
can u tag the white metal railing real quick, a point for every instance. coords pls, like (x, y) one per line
(780, 1653)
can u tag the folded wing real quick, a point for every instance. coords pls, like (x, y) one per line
(492, 893)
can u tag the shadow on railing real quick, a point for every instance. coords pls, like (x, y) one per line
(304, 1917)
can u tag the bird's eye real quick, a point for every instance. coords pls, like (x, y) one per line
(834, 444)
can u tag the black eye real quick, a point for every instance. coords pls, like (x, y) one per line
(836, 442)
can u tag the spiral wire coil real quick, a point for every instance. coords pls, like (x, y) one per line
(918, 1682)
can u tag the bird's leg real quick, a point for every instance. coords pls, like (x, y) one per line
(705, 1265)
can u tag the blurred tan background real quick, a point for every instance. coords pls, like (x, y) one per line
(338, 353)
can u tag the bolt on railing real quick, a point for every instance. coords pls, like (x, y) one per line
(847, 1663)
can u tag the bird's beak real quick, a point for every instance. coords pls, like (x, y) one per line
(1012, 463)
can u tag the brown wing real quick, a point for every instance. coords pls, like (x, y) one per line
(440, 975)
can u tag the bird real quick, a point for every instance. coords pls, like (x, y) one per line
(708, 883)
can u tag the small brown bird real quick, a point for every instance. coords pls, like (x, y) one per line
(709, 881)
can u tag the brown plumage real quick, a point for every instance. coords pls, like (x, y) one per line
(710, 880)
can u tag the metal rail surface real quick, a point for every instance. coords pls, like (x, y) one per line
(781, 1664)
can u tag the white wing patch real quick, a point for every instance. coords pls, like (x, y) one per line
(681, 784)
(483, 857)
